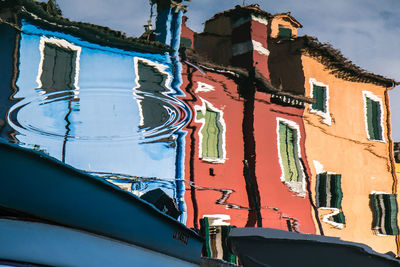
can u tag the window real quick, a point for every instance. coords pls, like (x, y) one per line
(288, 153)
(384, 211)
(284, 32)
(58, 68)
(216, 233)
(155, 110)
(373, 114)
(329, 196)
(212, 132)
(320, 93)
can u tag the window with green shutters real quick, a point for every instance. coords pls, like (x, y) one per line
(319, 94)
(216, 240)
(58, 68)
(384, 209)
(288, 151)
(212, 133)
(373, 114)
(284, 32)
(329, 195)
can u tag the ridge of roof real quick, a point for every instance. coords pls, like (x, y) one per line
(339, 65)
(100, 34)
(254, 9)
(290, 17)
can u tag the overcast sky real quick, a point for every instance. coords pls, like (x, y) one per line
(366, 31)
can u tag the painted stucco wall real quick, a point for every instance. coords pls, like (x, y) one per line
(337, 142)
(102, 125)
(225, 190)
(291, 204)
(280, 20)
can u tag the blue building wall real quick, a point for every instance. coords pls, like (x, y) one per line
(111, 122)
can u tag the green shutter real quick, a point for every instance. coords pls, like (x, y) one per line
(319, 94)
(376, 211)
(289, 153)
(212, 134)
(391, 227)
(207, 237)
(339, 218)
(384, 210)
(228, 256)
(336, 191)
(329, 194)
(284, 33)
(321, 189)
(374, 119)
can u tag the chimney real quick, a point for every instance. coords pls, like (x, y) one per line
(249, 38)
(168, 21)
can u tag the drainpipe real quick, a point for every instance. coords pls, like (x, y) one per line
(168, 32)
(391, 153)
(168, 22)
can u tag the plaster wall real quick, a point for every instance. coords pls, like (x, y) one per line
(101, 125)
(274, 193)
(224, 191)
(276, 21)
(343, 147)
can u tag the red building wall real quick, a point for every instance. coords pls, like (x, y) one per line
(213, 194)
(284, 204)
(247, 185)
(224, 191)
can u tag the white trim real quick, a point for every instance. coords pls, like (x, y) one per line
(161, 68)
(370, 95)
(257, 46)
(291, 184)
(245, 47)
(204, 87)
(63, 44)
(325, 218)
(217, 219)
(260, 20)
(319, 168)
(203, 108)
(325, 115)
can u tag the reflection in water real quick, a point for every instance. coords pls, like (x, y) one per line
(159, 113)
(58, 70)
(103, 121)
(99, 110)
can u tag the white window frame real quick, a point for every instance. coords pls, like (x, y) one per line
(325, 115)
(373, 97)
(202, 109)
(63, 44)
(162, 69)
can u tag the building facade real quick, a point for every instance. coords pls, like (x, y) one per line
(92, 98)
(341, 173)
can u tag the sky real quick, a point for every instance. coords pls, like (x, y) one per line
(366, 31)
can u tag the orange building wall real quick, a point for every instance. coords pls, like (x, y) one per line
(343, 148)
(280, 21)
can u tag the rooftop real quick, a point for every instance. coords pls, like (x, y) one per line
(49, 16)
